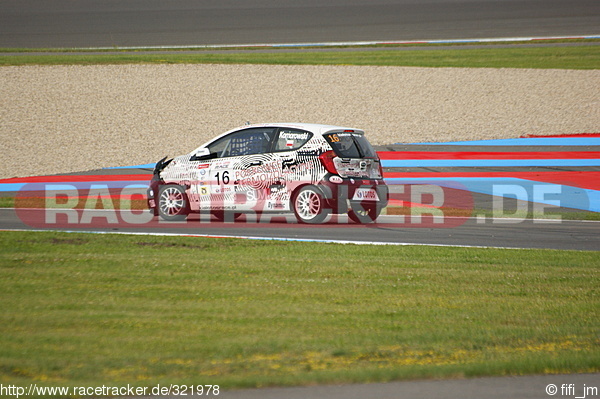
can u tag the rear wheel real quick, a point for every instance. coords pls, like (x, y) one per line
(172, 203)
(309, 205)
(363, 214)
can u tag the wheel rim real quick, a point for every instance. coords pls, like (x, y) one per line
(363, 212)
(308, 204)
(171, 201)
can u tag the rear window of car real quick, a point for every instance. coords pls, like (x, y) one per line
(350, 145)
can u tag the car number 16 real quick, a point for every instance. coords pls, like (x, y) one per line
(222, 176)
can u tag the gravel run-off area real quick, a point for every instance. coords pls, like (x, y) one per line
(59, 119)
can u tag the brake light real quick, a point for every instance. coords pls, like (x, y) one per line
(326, 159)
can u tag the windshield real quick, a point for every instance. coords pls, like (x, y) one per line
(351, 145)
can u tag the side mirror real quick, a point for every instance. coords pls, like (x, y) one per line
(202, 153)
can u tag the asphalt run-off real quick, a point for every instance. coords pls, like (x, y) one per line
(504, 192)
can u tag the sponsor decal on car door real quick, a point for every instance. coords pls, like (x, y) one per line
(258, 182)
(200, 188)
(222, 194)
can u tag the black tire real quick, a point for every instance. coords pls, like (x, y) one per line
(172, 203)
(363, 213)
(309, 205)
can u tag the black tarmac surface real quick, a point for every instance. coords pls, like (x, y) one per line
(124, 23)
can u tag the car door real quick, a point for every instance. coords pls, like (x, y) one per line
(296, 168)
(239, 170)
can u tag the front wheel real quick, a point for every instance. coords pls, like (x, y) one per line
(309, 205)
(363, 214)
(172, 203)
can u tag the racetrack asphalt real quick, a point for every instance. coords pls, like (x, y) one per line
(90, 23)
(522, 387)
(488, 199)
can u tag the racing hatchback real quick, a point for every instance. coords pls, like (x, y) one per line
(311, 170)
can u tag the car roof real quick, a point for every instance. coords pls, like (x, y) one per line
(315, 128)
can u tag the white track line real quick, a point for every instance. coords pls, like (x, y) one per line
(402, 244)
(335, 44)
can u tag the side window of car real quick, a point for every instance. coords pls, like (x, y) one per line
(291, 139)
(216, 148)
(245, 142)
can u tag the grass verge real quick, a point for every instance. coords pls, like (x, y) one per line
(83, 309)
(584, 57)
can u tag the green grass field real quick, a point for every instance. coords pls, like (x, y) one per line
(88, 309)
(584, 57)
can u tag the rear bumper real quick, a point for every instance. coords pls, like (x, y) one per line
(340, 195)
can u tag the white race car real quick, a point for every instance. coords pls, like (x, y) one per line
(310, 169)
